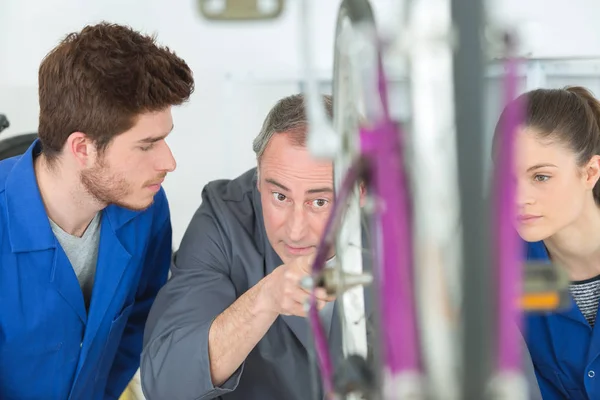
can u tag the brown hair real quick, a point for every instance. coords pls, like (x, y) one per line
(98, 81)
(570, 116)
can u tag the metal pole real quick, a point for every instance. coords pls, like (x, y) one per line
(478, 306)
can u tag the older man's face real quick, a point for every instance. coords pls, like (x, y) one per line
(297, 196)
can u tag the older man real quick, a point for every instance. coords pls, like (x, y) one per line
(231, 319)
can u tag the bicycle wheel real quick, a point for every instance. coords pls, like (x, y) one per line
(361, 116)
(349, 106)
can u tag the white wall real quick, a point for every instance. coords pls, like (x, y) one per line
(241, 69)
(553, 28)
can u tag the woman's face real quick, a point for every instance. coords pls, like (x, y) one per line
(552, 190)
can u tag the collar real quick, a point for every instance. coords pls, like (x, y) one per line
(28, 225)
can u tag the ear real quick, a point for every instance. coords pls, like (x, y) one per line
(81, 149)
(362, 191)
(592, 172)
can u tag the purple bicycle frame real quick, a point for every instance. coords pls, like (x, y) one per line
(381, 153)
(326, 243)
(508, 252)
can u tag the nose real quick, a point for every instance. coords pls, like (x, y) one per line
(166, 161)
(297, 224)
(524, 193)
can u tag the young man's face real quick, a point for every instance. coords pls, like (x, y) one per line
(297, 197)
(130, 171)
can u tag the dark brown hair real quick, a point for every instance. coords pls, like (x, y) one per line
(570, 116)
(98, 81)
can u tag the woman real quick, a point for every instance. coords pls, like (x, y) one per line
(558, 196)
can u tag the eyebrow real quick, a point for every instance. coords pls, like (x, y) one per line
(537, 166)
(324, 189)
(154, 139)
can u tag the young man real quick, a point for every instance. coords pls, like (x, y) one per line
(85, 233)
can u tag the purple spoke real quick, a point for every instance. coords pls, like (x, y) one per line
(398, 319)
(507, 247)
(321, 348)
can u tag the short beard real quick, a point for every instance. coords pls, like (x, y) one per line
(106, 187)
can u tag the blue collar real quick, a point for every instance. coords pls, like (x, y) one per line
(28, 225)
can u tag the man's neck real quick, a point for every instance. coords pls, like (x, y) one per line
(577, 247)
(67, 203)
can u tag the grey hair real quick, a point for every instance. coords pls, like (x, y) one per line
(287, 116)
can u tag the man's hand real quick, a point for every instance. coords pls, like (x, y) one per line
(284, 293)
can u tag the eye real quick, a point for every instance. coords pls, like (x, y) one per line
(541, 178)
(146, 148)
(279, 197)
(320, 203)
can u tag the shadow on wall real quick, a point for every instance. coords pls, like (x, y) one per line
(14, 145)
